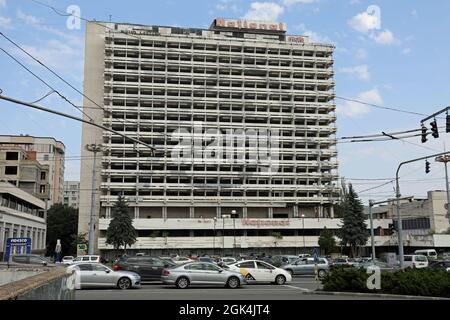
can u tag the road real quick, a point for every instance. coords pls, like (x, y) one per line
(295, 290)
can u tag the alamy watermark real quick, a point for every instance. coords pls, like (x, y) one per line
(73, 21)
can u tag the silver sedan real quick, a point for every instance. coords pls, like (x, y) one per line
(201, 273)
(96, 275)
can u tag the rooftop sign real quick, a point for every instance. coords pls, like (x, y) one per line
(248, 24)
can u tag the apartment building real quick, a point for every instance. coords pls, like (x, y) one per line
(20, 168)
(71, 193)
(49, 152)
(21, 216)
(242, 118)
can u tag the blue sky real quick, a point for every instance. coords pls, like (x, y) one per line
(390, 53)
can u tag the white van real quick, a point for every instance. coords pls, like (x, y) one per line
(430, 253)
(415, 261)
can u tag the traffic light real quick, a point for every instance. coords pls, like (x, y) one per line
(434, 129)
(448, 123)
(424, 133)
(427, 167)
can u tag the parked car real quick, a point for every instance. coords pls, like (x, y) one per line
(205, 259)
(227, 260)
(344, 262)
(88, 258)
(181, 260)
(308, 266)
(149, 268)
(260, 271)
(201, 273)
(383, 266)
(415, 261)
(96, 275)
(304, 255)
(429, 253)
(440, 265)
(67, 260)
(281, 260)
(31, 259)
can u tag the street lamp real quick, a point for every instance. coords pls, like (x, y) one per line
(303, 231)
(445, 159)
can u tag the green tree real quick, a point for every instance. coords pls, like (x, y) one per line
(121, 232)
(354, 231)
(62, 223)
(327, 243)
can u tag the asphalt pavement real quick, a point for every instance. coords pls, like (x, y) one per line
(298, 289)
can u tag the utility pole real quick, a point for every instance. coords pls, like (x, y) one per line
(446, 159)
(399, 218)
(95, 148)
(372, 236)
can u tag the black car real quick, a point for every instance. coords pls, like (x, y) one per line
(440, 265)
(149, 268)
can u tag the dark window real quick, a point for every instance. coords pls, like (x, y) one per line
(43, 175)
(197, 266)
(248, 264)
(12, 156)
(85, 267)
(262, 265)
(211, 267)
(9, 170)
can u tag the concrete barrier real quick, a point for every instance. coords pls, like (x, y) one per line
(47, 283)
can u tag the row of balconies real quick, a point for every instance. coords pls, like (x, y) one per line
(270, 54)
(124, 85)
(291, 79)
(222, 60)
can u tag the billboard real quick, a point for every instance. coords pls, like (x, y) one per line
(15, 246)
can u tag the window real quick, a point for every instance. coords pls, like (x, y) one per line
(407, 258)
(85, 259)
(98, 267)
(248, 264)
(46, 157)
(10, 170)
(262, 265)
(197, 266)
(43, 175)
(85, 267)
(211, 267)
(12, 156)
(421, 258)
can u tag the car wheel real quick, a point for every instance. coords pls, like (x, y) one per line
(233, 283)
(280, 280)
(182, 283)
(321, 273)
(124, 283)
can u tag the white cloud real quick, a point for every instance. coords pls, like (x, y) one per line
(5, 22)
(292, 2)
(353, 109)
(406, 51)
(364, 22)
(355, 2)
(361, 54)
(384, 37)
(27, 18)
(264, 11)
(313, 36)
(414, 13)
(227, 5)
(361, 72)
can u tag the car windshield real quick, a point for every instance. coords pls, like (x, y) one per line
(421, 258)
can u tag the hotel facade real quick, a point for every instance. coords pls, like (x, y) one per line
(242, 118)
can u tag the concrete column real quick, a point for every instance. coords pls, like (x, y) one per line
(44, 236)
(164, 213)
(108, 212)
(192, 212)
(2, 236)
(332, 212)
(191, 233)
(244, 212)
(270, 212)
(295, 210)
(136, 212)
(219, 212)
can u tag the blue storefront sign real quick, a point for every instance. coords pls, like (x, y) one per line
(16, 246)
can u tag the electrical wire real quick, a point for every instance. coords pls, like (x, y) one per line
(48, 85)
(45, 96)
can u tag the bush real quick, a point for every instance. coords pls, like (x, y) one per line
(416, 282)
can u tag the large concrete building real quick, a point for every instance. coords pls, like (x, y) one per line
(71, 196)
(243, 121)
(21, 216)
(20, 168)
(48, 152)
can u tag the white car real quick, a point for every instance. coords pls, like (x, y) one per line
(415, 261)
(260, 271)
(86, 259)
(181, 260)
(67, 260)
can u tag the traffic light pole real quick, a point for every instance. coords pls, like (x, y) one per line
(399, 218)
